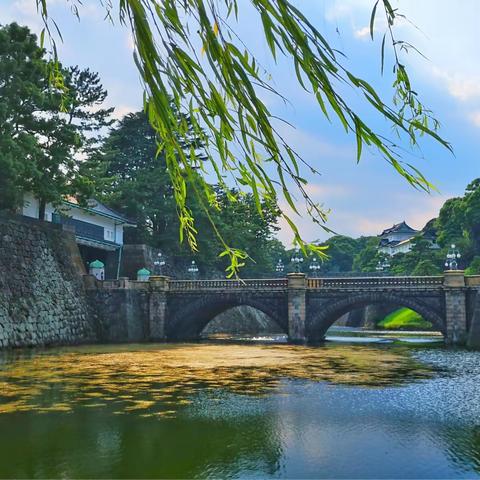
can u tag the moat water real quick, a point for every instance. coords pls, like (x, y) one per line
(241, 410)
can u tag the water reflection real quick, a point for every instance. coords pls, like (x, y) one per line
(156, 380)
(209, 410)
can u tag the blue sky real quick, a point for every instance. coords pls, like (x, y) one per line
(366, 198)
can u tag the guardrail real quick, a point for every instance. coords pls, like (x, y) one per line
(374, 282)
(325, 283)
(255, 284)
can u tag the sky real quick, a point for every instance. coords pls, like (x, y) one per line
(363, 198)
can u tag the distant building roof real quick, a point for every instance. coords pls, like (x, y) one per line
(401, 227)
(99, 208)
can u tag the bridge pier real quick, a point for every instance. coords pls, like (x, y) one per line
(297, 288)
(455, 307)
(157, 309)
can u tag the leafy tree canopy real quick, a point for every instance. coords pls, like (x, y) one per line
(426, 268)
(44, 128)
(132, 177)
(189, 52)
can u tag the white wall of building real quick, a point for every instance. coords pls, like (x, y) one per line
(403, 247)
(31, 207)
(113, 232)
(398, 237)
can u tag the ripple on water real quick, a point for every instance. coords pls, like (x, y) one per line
(245, 410)
(158, 379)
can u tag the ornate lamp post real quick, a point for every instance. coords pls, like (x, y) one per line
(382, 265)
(279, 268)
(453, 255)
(297, 259)
(193, 270)
(314, 267)
(159, 263)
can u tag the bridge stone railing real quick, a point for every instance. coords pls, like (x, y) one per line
(256, 284)
(352, 283)
(375, 282)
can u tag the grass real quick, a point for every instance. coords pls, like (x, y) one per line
(405, 319)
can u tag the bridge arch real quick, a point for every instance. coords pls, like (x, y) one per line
(324, 315)
(187, 319)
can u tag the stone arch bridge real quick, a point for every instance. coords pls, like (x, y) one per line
(164, 309)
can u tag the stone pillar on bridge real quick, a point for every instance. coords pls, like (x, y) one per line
(157, 308)
(455, 307)
(297, 288)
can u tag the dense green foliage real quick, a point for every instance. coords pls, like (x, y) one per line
(474, 268)
(222, 88)
(404, 319)
(44, 127)
(51, 117)
(458, 223)
(133, 178)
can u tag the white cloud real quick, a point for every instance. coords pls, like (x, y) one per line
(459, 85)
(122, 110)
(359, 214)
(321, 192)
(346, 9)
(130, 42)
(26, 7)
(452, 55)
(362, 33)
(313, 147)
(475, 118)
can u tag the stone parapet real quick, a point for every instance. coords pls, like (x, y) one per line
(159, 282)
(472, 281)
(454, 278)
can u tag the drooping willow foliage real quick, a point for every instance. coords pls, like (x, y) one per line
(188, 53)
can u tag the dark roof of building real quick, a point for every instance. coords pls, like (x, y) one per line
(401, 227)
(99, 208)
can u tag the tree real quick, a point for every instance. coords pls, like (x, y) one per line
(341, 253)
(367, 259)
(83, 106)
(133, 178)
(471, 208)
(450, 222)
(426, 268)
(23, 75)
(220, 90)
(238, 217)
(474, 267)
(44, 127)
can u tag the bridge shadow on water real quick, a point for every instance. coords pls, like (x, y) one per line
(244, 324)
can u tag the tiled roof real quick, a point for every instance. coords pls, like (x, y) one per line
(97, 207)
(401, 227)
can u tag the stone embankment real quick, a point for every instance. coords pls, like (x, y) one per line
(42, 300)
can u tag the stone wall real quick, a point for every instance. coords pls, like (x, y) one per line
(122, 315)
(42, 299)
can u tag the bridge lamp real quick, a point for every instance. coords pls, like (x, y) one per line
(382, 265)
(280, 267)
(193, 269)
(297, 259)
(159, 263)
(314, 267)
(453, 255)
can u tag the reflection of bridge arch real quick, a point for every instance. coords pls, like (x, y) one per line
(324, 314)
(188, 317)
